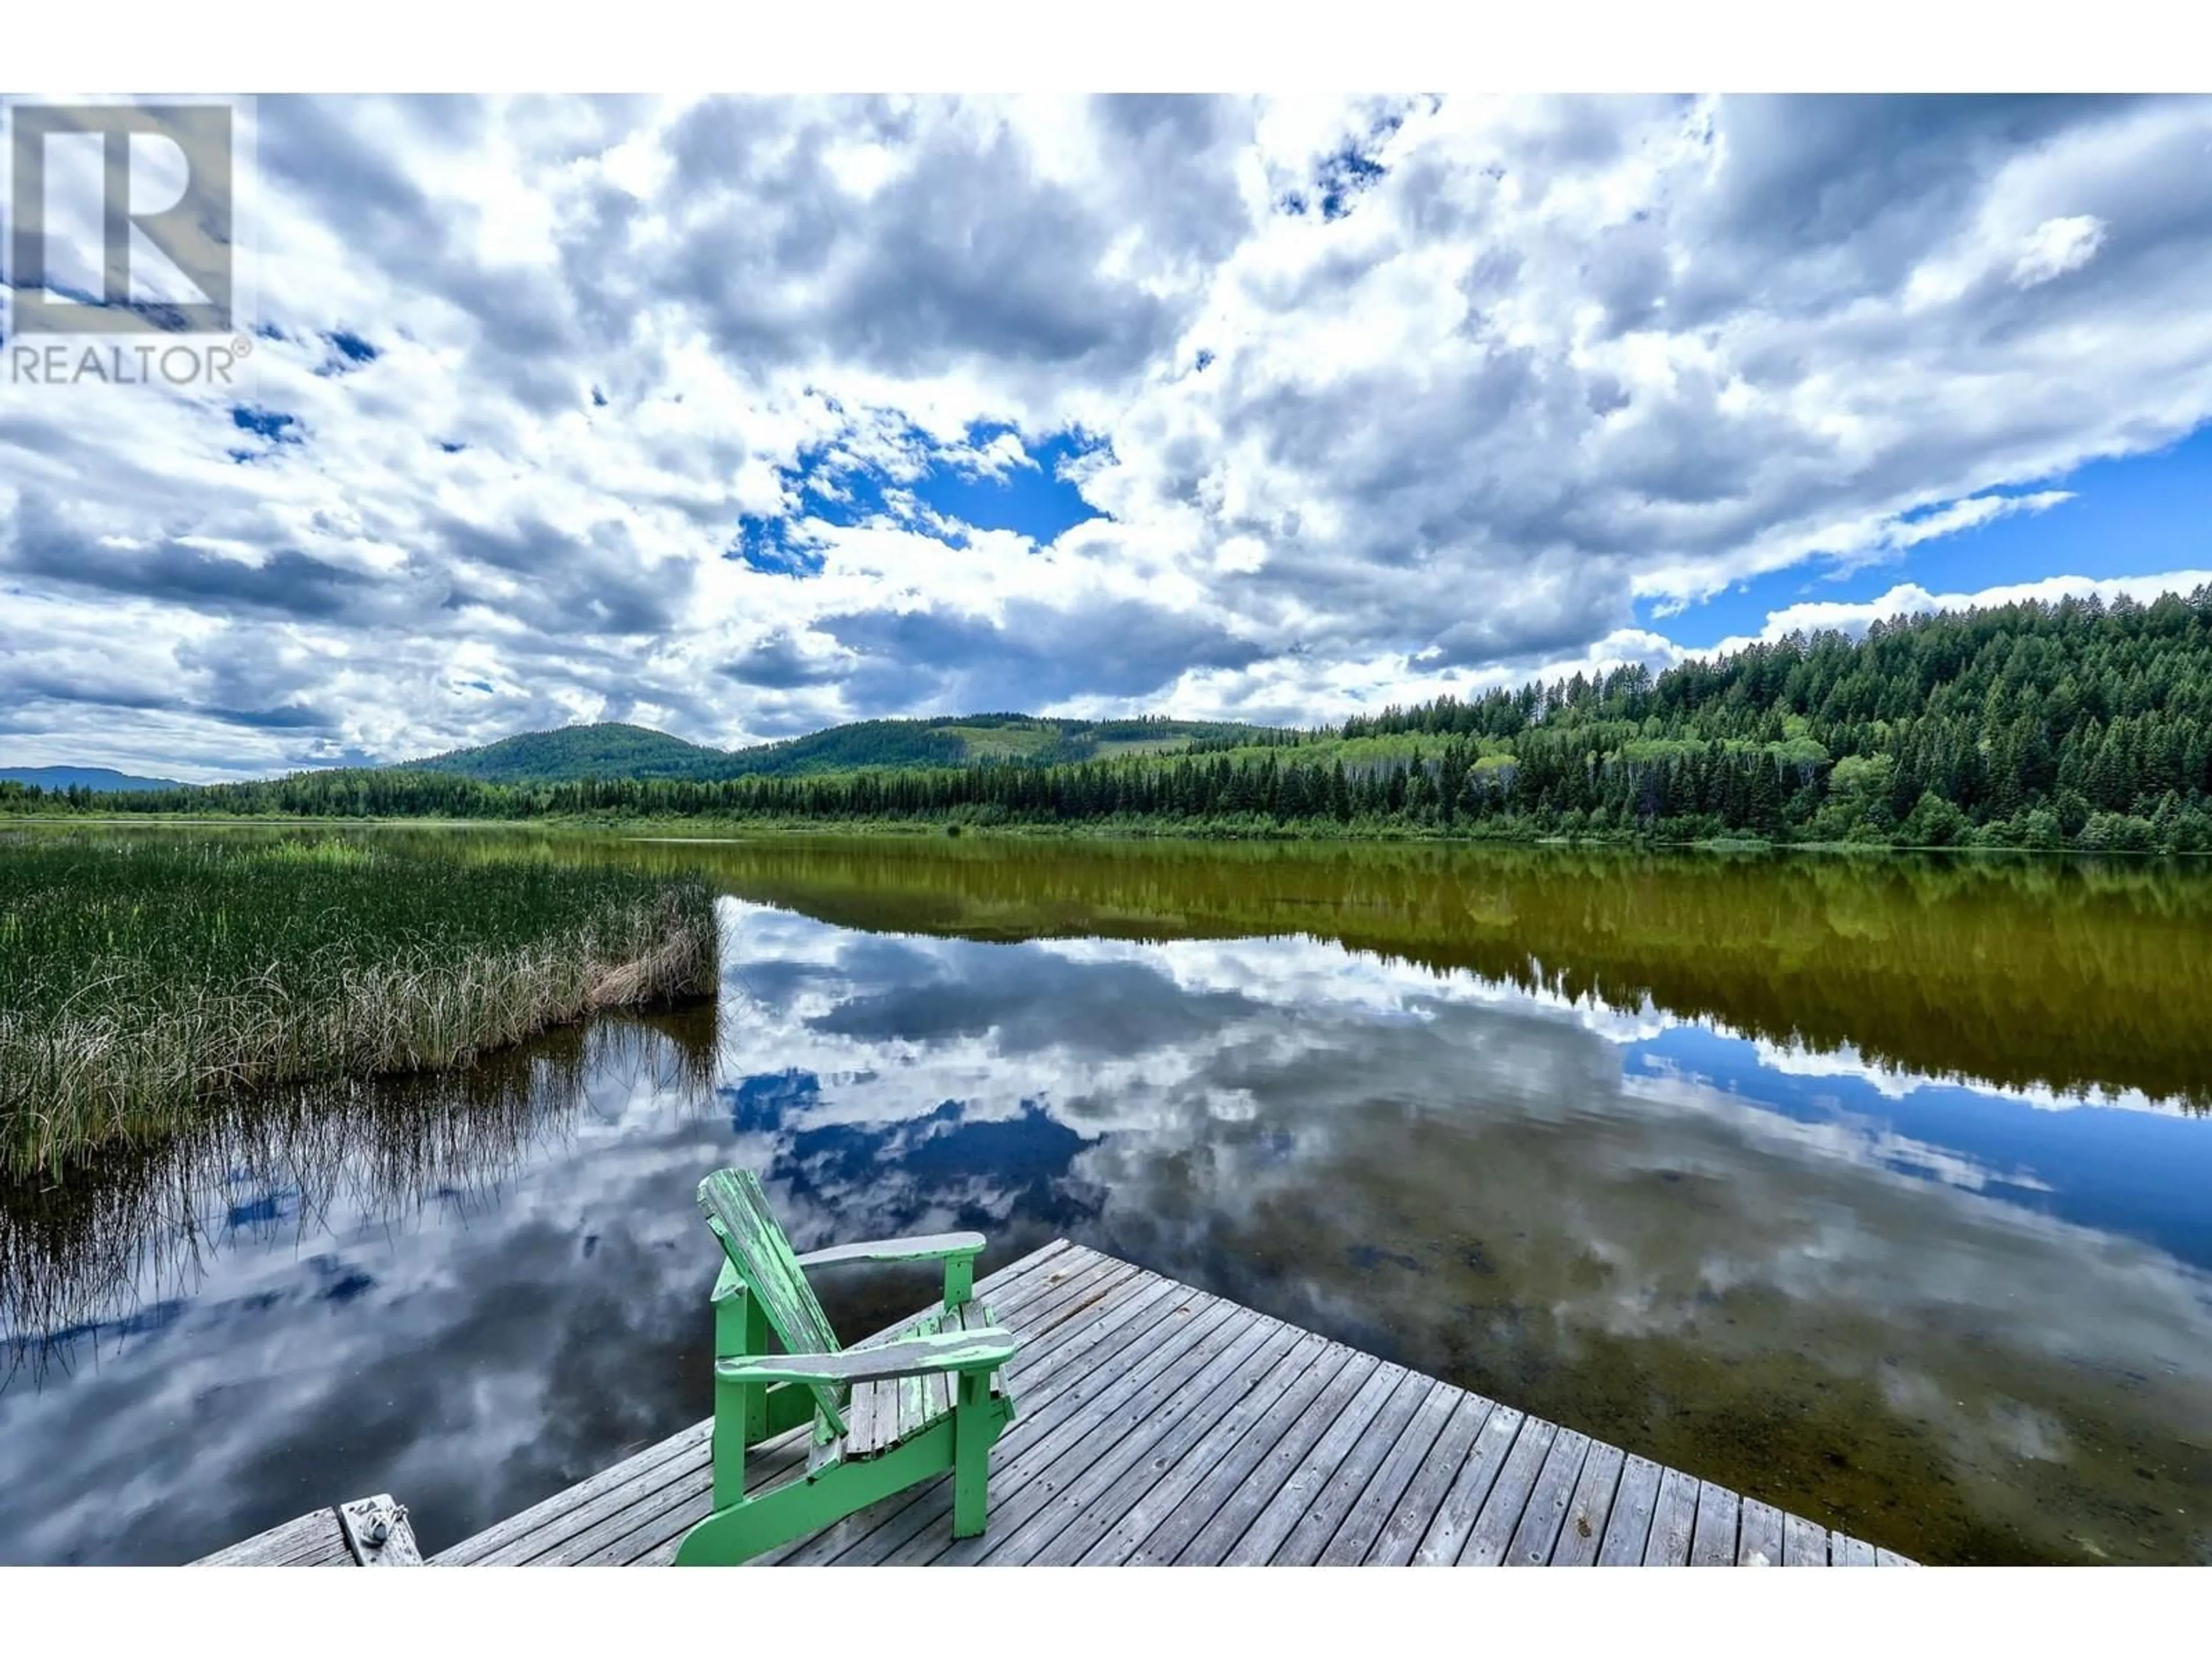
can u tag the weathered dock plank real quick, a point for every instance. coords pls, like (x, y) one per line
(1673, 1518)
(1537, 1535)
(1494, 1527)
(1363, 1525)
(1631, 1524)
(1582, 1532)
(1137, 1449)
(1147, 1345)
(1159, 1422)
(1409, 1520)
(1712, 1538)
(1061, 1461)
(1278, 1516)
(1761, 1543)
(367, 1532)
(1850, 1552)
(1225, 1524)
(306, 1540)
(1804, 1544)
(1462, 1501)
(1275, 1355)
(1332, 1503)
(1331, 1377)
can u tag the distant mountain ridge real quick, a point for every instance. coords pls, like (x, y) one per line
(614, 749)
(103, 778)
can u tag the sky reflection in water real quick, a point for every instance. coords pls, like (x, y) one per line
(1967, 1323)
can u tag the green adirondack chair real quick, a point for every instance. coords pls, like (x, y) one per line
(887, 1414)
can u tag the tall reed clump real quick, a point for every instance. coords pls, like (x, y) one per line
(139, 980)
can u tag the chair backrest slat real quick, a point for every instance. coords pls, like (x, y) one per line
(736, 1208)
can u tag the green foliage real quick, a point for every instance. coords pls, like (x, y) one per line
(1933, 823)
(138, 980)
(609, 749)
(1859, 780)
(615, 750)
(2077, 724)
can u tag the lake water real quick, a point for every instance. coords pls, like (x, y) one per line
(1880, 1190)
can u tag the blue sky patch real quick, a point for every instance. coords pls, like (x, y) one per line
(770, 546)
(943, 491)
(1035, 501)
(842, 494)
(272, 424)
(2138, 516)
(1343, 176)
(352, 352)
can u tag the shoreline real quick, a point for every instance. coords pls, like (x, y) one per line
(735, 831)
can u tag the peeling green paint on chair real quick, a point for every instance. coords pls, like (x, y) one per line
(886, 1415)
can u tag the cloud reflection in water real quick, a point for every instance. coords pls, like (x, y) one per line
(1950, 1317)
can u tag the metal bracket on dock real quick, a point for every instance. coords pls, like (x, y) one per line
(377, 1532)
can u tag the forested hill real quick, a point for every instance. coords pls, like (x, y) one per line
(2078, 724)
(611, 750)
(607, 750)
(2036, 718)
(966, 739)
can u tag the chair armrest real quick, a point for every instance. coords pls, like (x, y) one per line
(918, 1356)
(936, 1247)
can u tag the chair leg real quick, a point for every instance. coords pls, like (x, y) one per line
(973, 1431)
(740, 1408)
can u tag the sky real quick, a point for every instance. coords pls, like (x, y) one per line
(742, 417)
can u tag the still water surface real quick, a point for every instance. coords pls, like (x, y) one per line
(1875, 1189)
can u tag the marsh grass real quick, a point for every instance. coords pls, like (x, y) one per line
(138, 982)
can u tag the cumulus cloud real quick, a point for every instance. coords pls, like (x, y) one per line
(618, 407)
(2057, 246)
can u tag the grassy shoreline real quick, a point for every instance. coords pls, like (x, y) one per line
(138, 983)
(702, 827)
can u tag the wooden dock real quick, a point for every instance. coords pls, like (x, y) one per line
(1159, 1424)
(369, 1531)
